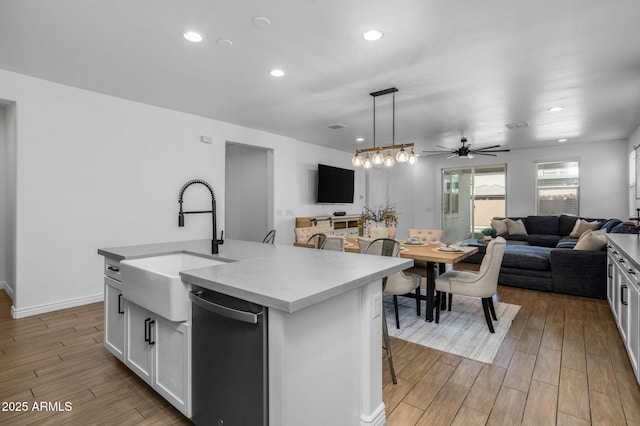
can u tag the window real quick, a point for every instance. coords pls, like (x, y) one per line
(558, 187)
(451, 193)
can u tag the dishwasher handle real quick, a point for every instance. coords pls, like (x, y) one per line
(224, 311)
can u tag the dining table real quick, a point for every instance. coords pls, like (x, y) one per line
(430, 253)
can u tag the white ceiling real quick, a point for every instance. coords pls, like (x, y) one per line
(461, 67)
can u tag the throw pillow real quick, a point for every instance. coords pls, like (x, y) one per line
(582, 226)
(516, 227)
(591, 240)
(500, 225)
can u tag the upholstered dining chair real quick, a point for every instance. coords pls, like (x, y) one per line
(376, 232)
(428, 236)
(270, 237)
(363, 243)
(482, 284)
(334, 242)
(317, 240)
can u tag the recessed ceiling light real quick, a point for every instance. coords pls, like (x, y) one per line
(372, 35)
(193, 36)
(359, 139)
(261, 22)
(555, 109)
(276, 73)
(224, 43)
(562, 140)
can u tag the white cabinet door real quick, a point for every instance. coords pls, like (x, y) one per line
(633, 329)
(611, 269)
(139, 341)
(172, 359)
(114, 318)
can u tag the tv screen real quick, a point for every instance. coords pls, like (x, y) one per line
(335, 185)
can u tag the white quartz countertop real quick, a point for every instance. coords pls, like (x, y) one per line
(629, 244)
(282, 277)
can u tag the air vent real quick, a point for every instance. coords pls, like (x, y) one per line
(337, 126)
(519, 125)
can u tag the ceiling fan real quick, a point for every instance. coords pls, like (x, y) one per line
(465, 150)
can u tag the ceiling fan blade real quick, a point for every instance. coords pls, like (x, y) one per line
(495, 150)
(441, 152)
(452, 156)
(436, 155)
(488, 147)
(444, 147)
(484, 153)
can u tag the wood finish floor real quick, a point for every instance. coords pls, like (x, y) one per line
(562, 362)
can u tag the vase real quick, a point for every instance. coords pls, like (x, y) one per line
(392, 232)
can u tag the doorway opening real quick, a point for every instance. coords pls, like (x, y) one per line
(471, 197)
(248, 192)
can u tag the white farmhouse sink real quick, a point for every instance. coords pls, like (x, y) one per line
(154, 282)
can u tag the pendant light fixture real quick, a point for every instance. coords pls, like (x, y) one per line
(387, 160)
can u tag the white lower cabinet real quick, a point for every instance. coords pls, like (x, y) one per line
(114, 317)
(623, 295)
(158, 351)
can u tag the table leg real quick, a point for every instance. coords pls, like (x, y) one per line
(441, 270)
(431, 290)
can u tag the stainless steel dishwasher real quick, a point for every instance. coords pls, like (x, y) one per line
(229, 360)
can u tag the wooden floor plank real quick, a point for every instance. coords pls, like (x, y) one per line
(559, 347)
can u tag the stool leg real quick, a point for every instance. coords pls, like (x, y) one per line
(395, 306)
(387, 347)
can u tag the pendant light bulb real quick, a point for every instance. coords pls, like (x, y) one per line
(402, 156)
(367, 163)
(413, 158)
(388, 160)
(357, 160)
(377, 158)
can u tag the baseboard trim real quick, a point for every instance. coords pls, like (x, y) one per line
(377, 418)
(4, 286)
(50, 307)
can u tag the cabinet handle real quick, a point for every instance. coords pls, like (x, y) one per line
(113, 268)
(610, 271)
(631, 271)
(120, 310)
(151, 342)
(622, 288)
(147, 338)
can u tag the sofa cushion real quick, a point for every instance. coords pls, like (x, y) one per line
(610, 224)
(566, 223)
(526, 257)
(516, 227)
(543, 240)
(581, 226)
(499, 226)
(567, 242)
(624, 228)
(549, 225)
(592, 240)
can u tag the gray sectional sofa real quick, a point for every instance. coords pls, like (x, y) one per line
(544, 258)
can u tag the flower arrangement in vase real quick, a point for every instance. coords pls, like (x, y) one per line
(383, 216)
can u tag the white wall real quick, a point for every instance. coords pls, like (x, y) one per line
(603, 177)
(3, 195)
(97, 171)
(634, 141)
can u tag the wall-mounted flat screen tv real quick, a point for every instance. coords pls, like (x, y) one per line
(335, 185)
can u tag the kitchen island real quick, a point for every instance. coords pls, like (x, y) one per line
(324, 323)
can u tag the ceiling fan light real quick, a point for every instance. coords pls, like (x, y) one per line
(357, 160)
(402, 156)
(377, 158)
(367, 163)
(469, 155)
(388, 160)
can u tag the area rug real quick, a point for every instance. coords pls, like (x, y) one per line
(462, 331)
